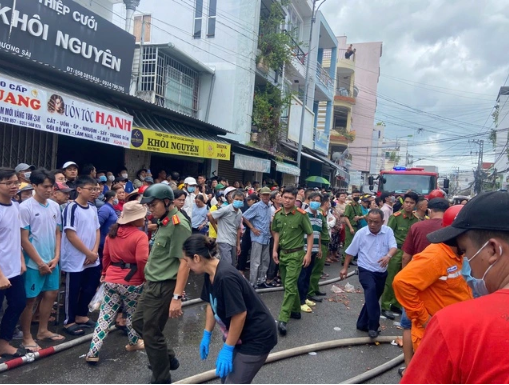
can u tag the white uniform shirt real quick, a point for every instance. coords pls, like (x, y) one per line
(41, 222)
(10, 240)
(85, 222)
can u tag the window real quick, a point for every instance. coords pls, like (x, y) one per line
(198, 18)
(142, 25)
(211, 31)
(294, 24)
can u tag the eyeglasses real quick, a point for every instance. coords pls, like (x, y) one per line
(95, 189)
(11, 183)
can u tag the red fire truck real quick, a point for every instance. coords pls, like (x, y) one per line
(401, 179)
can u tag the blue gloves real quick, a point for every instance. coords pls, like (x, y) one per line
(224, 363)
(204, 345)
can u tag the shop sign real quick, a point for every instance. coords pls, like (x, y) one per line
(165, 143)
(28, 105)
(68, 37)
(287, 168)
(321, 141)
(250, 163)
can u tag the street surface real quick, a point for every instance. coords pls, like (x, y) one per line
(332, 366)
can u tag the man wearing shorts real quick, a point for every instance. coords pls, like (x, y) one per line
(40, 238)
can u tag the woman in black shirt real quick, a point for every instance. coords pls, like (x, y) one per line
(248, 328)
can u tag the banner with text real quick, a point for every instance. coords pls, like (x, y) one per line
(165, 143)
(28, 105)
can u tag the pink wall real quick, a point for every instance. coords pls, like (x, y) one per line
(367, 69)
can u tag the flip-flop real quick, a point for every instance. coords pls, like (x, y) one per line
(401, 371)
(53, 337)
(19, 353)
(30, 348)
(88, 324)
(74, 330)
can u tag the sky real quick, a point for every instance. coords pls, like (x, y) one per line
(442, 66)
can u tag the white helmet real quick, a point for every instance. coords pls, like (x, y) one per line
(190, 181)
(229, 190)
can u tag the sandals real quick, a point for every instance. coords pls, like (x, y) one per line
(140, 345)
(89, 324)
(74, 330)
(92, 360)
(30, 348)
(401, 371)
(54, 337)
(19, 353)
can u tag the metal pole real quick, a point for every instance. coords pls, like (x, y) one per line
(142, 40)
(306, 86)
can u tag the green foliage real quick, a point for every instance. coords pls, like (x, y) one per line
(275, 45)
(493, 137)
(494, 115)
(268, 105)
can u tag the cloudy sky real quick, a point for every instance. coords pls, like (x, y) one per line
(443, 64)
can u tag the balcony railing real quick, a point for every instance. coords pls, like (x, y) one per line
(323, 77)
(341, 55)
(296, 50)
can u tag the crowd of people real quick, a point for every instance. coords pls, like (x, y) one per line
(138, 241)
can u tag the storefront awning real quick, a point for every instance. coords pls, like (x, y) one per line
(157, 134)
(339, 170)
(287, 168)
(250, 163)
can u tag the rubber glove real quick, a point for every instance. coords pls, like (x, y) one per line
(204, 344)
(224, 363)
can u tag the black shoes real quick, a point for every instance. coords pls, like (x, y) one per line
(320, 293)
(295, 315)
(373, 333)
(281, 326)
(174, 364)
(264, 285)
(315, 299)
(396, 310)
(388, 315)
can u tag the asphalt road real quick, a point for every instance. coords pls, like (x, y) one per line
(332, 366)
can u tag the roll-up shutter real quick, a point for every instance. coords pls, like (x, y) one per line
(227, 171)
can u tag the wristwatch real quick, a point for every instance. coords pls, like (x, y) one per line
(177, 297)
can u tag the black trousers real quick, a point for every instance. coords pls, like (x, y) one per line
(16, 302)
(80, 288)
(373, 284)
(305, 279)
(244, 250)
(273, 268)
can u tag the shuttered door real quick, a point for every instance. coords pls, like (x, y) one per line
(227, 171)
(26, 145)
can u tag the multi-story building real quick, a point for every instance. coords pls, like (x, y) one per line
(501, 117)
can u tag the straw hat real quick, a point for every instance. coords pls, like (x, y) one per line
(131, 212)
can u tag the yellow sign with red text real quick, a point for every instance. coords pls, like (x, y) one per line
(165, 143)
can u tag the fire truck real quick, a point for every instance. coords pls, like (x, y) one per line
(401, 179)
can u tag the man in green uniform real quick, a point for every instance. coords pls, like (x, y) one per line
(166, 274)
(289, 226)
(400, 224)
(353, 212)
(314, 288)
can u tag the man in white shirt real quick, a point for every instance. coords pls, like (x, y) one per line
(41, 223)
(388, 199)
(375, 245)
(190, 185)
(80, 258)
(12, 263)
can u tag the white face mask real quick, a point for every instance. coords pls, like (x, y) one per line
(111, 178)
(125, 175)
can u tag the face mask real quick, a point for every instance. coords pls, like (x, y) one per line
(225, 204)
(102, 178)
(27, 175)
(393, 199)
(314, 205)
(142, 178)
(115, 202)
(481, 283)
(356, 199)
(111, 178)
(124, 175)
(238, 204)
(191, 189)
(474, 283)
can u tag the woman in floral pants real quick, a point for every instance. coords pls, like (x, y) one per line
(125, 255)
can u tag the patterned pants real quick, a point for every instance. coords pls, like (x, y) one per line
(115, 295)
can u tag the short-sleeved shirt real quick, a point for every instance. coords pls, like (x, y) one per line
(164, 260)
(10, 240)
(387, 210)
(317, 222)
(291, 227)
(370, 248)
(260, 216)
(416, 240)
(42, 222)
(400, 223)
(85, 222)
(352, 211)
(231, 294)
(212, 232)
(228, 222)
(199, 215)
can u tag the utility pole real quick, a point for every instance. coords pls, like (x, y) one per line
(479, 176)
(306, 83)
